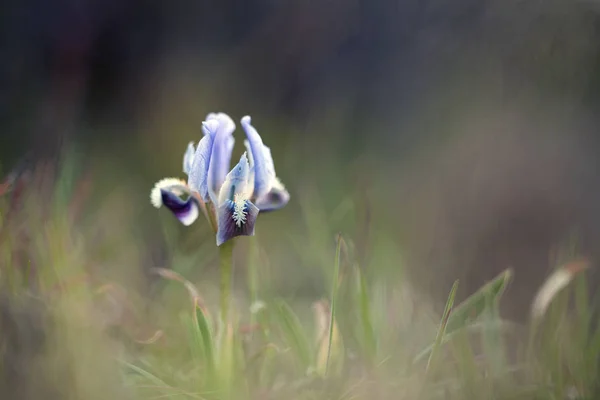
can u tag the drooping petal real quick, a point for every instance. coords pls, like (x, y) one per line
(199, 171)
(277, 198)
(167, 191)
(264, 172)
(236, 218)
(221, 151)
(188, 158)
(236, 182)
(186, 211)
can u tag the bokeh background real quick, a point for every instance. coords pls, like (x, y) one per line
(460, 135)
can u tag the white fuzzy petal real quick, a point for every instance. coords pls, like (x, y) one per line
(175, 185)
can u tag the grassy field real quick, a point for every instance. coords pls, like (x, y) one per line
(87, 314)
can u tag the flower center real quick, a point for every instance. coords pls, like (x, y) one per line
(239, 210)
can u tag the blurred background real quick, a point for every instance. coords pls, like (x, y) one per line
(450, 139)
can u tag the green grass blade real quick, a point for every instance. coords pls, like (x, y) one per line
(67, 173)
(434, 355)
(334, 289)
(492, 341)
(294, 335)
(475, 327)
(228, 361)
(260, 365)
(203, 336)
(582, 306)
(442, 328)
(158, 384)
(366, 321)
(145, 374)
(477, 303)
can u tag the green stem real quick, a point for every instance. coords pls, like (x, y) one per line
(253, 277)
(226, 267)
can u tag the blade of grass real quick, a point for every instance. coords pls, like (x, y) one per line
(366, 322)
(334, 289)
(204, 339)
(492, 342)
(158, 383)
(466, 363)
(476, 304)
(442, 329)
(476, 327)
(433, 357)
(294, 335)
(227, 361)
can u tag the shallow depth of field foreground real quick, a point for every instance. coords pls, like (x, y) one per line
(320, 306)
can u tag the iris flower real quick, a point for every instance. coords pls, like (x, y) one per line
(230, 199)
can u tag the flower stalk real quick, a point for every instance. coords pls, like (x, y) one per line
(226, 270)
(229, 197)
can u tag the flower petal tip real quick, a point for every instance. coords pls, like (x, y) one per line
(210, 126)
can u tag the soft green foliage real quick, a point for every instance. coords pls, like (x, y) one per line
(363, 343)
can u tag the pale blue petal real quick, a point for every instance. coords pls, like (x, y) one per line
(236, 182)
(236, 218)
(221, 151)
(222, 118)
(188, 158)
(230, 144)
(264, 173)
(251, 163)
(249, 151)
(198, 175)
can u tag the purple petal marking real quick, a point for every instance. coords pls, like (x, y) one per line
(186, 211)
(236, 219)
(264, 173)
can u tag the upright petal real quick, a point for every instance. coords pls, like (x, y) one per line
(251, 162)
(277, 198)
(221, 151)
(236, 182)
(167, 191)
(199, 171)
(188, 158)
(262, 160)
